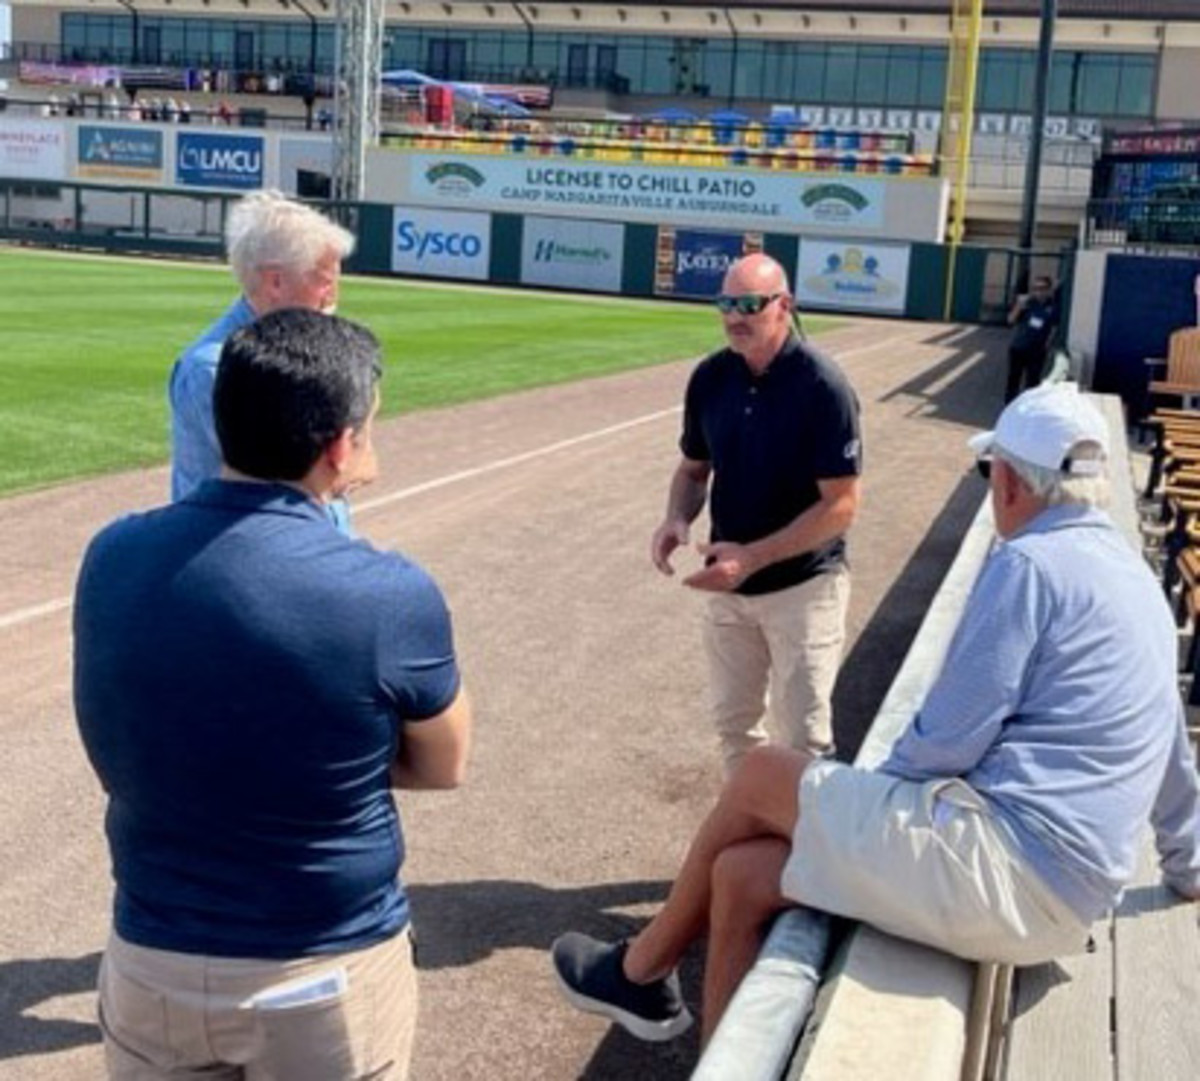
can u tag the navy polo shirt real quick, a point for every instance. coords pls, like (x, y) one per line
(1037, 321)
(242, 674)
(769, 439)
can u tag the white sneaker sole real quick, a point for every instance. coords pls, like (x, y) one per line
(650, 1031)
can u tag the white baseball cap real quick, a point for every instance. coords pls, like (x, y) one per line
(1043, 426)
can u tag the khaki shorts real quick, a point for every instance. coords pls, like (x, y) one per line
(333, 1017)
(926, 862)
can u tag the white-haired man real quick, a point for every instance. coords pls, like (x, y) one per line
(284, 255)
(1007, 816)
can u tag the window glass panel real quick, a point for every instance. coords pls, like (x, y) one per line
(870, 83)
(221, 41)
(486, 60)
(718, 69)
(545, 51)
(751, 59)
(512, 52)
(809, 84)
(1135, 96)
(999, 76)
(122, 38)
(777, 70)
(904, 76)
(1099, 79)
(932, 91)
(172, 41)
(272, 44)
(840, 74)
(1062, 76)
(74, 31)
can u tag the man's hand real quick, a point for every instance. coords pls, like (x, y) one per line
(667, 537)
(727, 566)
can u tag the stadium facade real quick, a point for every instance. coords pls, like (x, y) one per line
(878, 64)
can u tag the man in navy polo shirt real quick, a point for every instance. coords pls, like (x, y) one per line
(250, 685)
(773, 424)
(1035, 317)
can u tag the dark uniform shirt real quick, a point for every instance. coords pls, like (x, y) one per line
(770, 438)
(1037, 319)
(242, 675)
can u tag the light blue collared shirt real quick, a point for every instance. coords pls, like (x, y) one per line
(1058, 703)
(195, 450)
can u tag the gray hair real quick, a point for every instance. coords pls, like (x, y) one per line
(1055, 487)
(267, 229)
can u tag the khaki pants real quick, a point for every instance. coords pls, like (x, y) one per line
(792, 640)
(336, 1017)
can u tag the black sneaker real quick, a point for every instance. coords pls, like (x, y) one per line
(592, 978)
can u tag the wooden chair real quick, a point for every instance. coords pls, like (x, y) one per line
(1182, 367)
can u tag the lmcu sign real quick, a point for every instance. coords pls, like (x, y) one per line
(219, 161)
(444, 244)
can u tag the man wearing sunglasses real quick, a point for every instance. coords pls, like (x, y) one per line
(771, 442)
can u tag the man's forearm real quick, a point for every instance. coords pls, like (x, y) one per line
(822, 522)
(686, 497)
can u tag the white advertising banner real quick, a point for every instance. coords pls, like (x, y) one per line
(662, 194)
(572, 254)
(33, 150)
(853, 276)
(441, 243)
(306, 166)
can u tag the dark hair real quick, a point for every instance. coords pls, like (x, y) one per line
(287, 386)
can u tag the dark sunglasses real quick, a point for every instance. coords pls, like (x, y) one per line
(984, 465)
(745, 303)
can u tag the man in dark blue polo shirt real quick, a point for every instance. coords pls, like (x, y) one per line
(250, 684)
(773, 424)
(1034, 317)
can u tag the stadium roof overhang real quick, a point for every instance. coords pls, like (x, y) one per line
(590, 10)
(1124, 23)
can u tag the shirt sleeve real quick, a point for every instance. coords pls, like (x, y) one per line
(982, 680)
(837, 436)
(197, 449)
(418, 664)
(1176, 817)
(692, 442)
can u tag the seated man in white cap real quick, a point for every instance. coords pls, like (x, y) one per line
(1007, 817)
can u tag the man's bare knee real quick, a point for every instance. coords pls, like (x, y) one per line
(766, 786)
(745, 880)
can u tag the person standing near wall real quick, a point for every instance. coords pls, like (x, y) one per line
(1034, 316)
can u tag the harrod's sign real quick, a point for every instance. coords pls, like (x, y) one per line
(772, 200)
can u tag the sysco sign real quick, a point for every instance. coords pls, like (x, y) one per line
(441, 243)
(431, 242)
(219, 161)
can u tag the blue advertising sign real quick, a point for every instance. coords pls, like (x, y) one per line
(701, 259)
(109, 151)
(219, 161)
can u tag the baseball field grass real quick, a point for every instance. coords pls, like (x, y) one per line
(88, 342)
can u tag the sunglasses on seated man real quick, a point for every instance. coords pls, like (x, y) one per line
(745, 303)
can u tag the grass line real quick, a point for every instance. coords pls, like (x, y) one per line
(88, 345)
